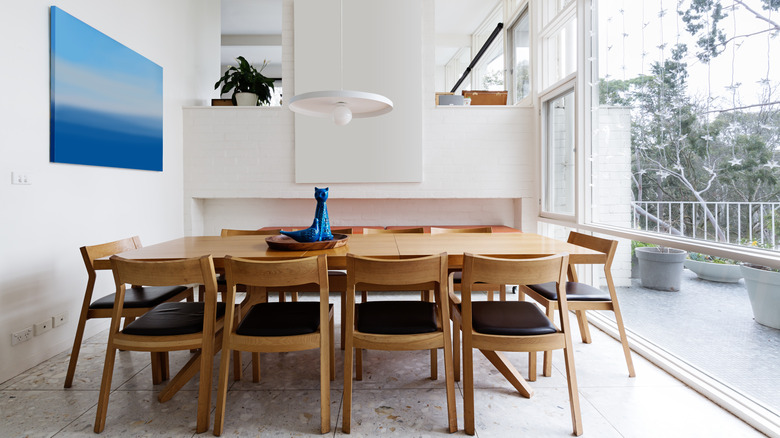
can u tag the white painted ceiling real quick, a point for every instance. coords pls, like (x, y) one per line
(264, 17)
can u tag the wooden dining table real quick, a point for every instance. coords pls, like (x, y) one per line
(390, 246)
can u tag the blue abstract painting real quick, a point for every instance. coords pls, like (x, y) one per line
(106, 100)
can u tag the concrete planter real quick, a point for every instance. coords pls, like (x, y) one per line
(763, 289)
(660, 269)
(720, 272)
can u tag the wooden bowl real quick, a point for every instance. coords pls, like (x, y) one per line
(284, 243)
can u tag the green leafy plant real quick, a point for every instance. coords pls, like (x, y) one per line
(245, 78)
(637, 244)
(699, 257)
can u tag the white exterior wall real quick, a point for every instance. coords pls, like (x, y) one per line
(68, 206)
(612, 181)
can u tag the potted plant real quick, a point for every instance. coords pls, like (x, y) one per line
(660, 267)
(763, 287)
(634, 261)
(249, 86)
(712, 268)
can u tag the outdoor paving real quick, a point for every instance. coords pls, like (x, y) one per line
(710, 325)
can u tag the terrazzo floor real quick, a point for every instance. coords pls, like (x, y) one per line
(396, 398)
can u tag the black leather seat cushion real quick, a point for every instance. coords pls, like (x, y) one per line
(171, 319)
(144, 296)
(457, 277)
(510, 318)
(281, 319)
(574, 292)
(396, 317)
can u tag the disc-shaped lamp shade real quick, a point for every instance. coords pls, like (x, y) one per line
(341, 105)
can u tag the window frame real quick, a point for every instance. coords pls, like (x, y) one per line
(565, 86)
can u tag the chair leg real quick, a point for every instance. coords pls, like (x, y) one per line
(347, 403)
(156, 368)
(74, 353)
(532, 366)
(574, 397)
(358, 364)
(456, 349)
(547, 363)
(343, 304)
(582, 320)
(623, 339)
(255, 367)
(237, 365)
(434, 364)
(364, 296)
(204, 387)
(468, 387)
(294, 297)
(282, 297)
(326, 375)
(219, 414)
(502, 292)
(332, 346)
(105, 388)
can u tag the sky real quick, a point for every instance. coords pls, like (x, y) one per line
(641, 27)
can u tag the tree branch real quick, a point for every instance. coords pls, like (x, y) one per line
(759, 16)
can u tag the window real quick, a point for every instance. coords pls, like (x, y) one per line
(559, 155)
(519, 34)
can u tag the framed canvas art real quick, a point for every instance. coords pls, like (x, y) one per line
(106, 99)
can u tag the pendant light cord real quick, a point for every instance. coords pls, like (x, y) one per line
(341, 43)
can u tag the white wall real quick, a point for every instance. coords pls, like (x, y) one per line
(42, 225)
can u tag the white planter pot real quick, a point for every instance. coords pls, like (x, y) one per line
(763, 289)
(660, 270)
(720, 272)
(246, 99)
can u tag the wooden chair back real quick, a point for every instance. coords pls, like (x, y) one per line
(231, 232)
(419, 230)
(438, 230)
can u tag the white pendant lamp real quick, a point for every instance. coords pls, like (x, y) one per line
(341, 105)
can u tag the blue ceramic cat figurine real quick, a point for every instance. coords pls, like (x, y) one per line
(320, 228)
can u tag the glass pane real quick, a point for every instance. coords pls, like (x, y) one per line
(559, 153)
(560, 54)
(522, 56)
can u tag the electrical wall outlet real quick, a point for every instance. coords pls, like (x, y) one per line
(43, 326)
(21, 178)
(22, 335)
(60, 319)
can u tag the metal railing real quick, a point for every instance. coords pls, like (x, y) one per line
(732, 222)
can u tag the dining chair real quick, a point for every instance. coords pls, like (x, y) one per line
(457, 273)
(583, 297)
(234, 232)
(496, 326)
(397, 325)
(259, 326)
(393, 231)
(138, 299)
(167, 327)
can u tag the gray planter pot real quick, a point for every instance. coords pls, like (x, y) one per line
(763, 289)
(660, 270)
(720, 272)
